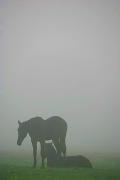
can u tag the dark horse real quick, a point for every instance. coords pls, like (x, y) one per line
(53, 128)
(68, 161)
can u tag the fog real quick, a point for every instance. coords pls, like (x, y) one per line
(61, 58)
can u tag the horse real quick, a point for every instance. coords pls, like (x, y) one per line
(67, 162)
(40, 130)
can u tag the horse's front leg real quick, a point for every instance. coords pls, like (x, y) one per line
(43, 154)
(34, 144)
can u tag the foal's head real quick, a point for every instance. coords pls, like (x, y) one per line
(22, 132)
(50, 149)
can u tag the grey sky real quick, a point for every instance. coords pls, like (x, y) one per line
(62, 58)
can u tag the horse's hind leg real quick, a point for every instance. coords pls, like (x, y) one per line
(63, 145)
(57, 146)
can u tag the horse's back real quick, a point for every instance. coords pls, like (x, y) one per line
(52, 127)
(56, 125)
(56, 120)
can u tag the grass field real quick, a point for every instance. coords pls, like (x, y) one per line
(18, 167)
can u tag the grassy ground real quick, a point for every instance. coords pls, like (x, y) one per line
(18, 167)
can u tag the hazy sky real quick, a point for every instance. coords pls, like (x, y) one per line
(61, 57)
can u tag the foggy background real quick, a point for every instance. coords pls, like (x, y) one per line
(61, 58)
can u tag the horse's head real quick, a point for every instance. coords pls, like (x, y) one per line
(22, 132)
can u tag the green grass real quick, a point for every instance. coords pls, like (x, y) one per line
(18, 167)
(26, 173)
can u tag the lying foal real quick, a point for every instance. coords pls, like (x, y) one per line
(68, 161)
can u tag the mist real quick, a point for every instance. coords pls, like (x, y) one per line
(61, 58)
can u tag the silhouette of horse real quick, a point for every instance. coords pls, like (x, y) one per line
(53, 128)
(68, 161)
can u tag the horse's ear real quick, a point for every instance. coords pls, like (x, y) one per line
(19, 122)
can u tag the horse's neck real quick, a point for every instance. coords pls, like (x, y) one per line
(26, 125)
